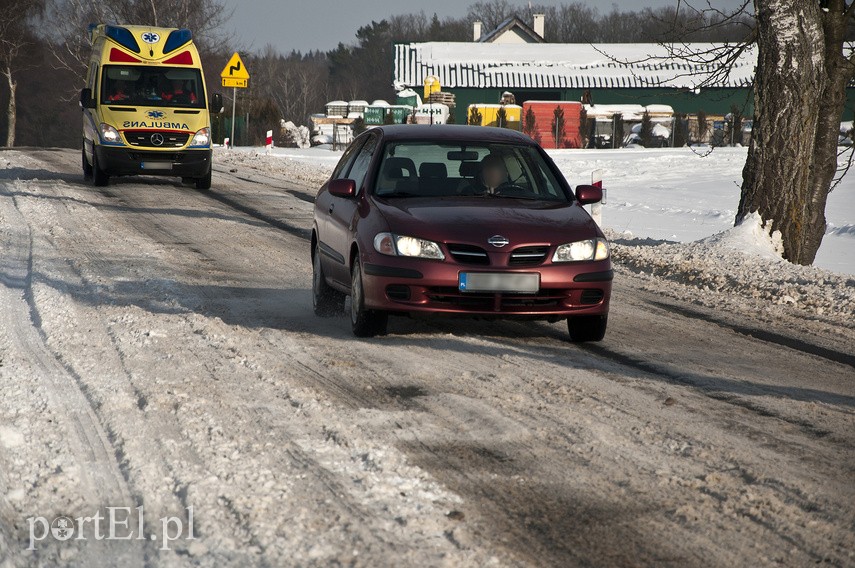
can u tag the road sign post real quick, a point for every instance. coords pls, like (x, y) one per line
(236, 76)
(234, 100)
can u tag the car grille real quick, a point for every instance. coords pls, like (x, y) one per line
(142, 138)
(468, 254)
(453, 297)
(528, 256)
(155, 156)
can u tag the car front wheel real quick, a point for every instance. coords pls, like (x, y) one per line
(365, 323)
(326, 300)
(587, 328)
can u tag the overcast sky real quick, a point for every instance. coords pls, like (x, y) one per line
(321, 24)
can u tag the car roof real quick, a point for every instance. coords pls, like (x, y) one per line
(451, 133)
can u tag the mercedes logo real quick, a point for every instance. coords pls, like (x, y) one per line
(498, 241)
(157, 139)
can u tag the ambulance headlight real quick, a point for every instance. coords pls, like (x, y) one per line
(202, 138)
(109, 134)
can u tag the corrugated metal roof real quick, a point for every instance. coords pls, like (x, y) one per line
(565, 66)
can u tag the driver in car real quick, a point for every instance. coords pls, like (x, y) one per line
(493, 174)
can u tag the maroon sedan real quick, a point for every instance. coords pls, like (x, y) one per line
(461, 220)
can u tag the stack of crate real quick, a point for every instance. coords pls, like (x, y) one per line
(442, 98)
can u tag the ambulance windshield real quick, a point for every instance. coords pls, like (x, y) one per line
(152, 86)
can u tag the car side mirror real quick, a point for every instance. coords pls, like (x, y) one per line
(217, 103)
(586, 194)
(343, 187)
(86, 100)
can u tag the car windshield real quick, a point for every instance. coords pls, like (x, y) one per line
(430, 169)
(152, 86)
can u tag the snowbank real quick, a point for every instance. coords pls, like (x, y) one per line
(742, 262)
(308, 166)
(751, 236)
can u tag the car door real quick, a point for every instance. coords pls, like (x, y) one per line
(342, 211)
(331, 259)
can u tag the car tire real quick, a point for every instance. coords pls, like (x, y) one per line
(204, 182)
(99, 176)
(326, 300)
(364, 323)
(87, 167)
(587, 328)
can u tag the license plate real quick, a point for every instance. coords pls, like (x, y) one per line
(156, 165)
(499, 282)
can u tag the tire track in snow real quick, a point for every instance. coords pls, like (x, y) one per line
(93, 446)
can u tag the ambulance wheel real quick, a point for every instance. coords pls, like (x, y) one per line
(204, 182)
(87, 167)
(99, 176)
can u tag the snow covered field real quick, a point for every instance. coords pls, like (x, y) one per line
(685, 195)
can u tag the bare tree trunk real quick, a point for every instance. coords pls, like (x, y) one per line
(831, 104)
(777, 179)
(12, 109)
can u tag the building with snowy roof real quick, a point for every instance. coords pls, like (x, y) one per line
(611, 74)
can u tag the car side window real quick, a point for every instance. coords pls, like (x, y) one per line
(363, 161)
(346, 161)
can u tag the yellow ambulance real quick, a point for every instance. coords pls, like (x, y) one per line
(145, 110)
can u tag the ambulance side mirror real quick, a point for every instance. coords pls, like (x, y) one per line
(217, 103)
(86, 100)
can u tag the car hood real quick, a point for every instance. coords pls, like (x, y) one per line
(473, 220)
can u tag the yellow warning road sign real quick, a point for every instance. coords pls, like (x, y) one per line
(235, 69)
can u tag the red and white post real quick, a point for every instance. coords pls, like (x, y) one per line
(268, 141)
(597, 208)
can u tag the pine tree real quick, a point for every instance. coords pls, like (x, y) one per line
(646, 133)
(702, 126)
(681, 134)
(583, 127)
(558, 126)
(474, 116)
(617, 130)
(733, 134)
(530, 123)
(502, 118)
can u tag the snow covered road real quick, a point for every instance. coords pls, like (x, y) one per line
(159, 360)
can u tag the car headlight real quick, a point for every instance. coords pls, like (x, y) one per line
(399, 245)
(591, 249)
(202, 138)
(109, 134)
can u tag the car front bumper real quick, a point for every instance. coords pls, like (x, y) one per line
(416, 285)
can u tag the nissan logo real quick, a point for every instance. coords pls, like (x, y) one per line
(157, 139)
(498, 241)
